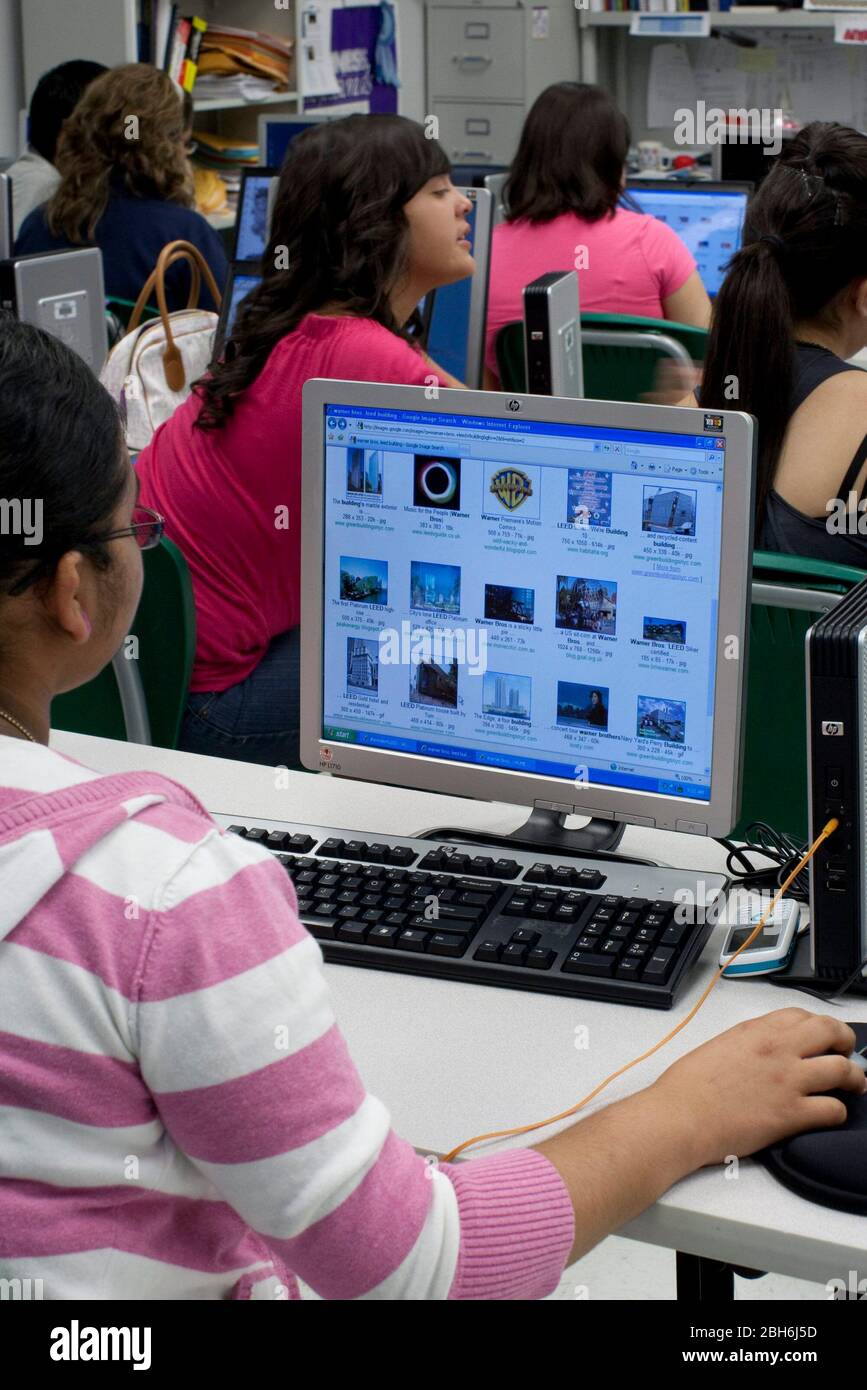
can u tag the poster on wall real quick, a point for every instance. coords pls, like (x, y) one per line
(361, 57)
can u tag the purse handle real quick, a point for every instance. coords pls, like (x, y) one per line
(173, 251)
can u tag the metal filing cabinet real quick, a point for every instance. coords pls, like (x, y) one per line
(487, 61)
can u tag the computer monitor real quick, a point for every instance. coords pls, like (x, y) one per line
(709, 217)
(255, 203)
(7, 224)
(527, 599)
(238, 285)
(495, 183)
(456, 323)
(63, 293)
(276, 134)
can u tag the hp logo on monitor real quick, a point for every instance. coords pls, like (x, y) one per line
(514, 405)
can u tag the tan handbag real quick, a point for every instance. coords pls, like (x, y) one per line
(155, 364)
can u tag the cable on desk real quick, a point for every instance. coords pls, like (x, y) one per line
(783, 850)
(824, 833)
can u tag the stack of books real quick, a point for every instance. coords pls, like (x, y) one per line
(242, 62)
(170, 40)
(227, 156)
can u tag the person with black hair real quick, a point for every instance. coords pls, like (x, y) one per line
(55, 97)
(366, 222)
(148, 961)
(790, 312)
(566, 209)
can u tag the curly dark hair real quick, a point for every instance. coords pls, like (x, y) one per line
(96, 146)
(339, 236)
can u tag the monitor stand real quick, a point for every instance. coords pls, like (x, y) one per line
(546, 831)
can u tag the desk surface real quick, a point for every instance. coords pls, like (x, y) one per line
(451, 1060)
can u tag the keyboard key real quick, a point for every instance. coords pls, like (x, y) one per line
(658, 968)
(402, 854)
(604, 914)
(444, 944)
(323, 931)
(635, 904)
(473, 900)
(525, 937)
(566, 912)
(352, 931)
(586, 943)
(537, 873)
(619, 932)
(325, 895)
(629, 968)
(308, 863)
(595, 929)
(591, 878)
(517, 907)
(237, 830)
(352, 881)
(541, 910)
(564, 878)
(382, 935)
(628, 919)
(513, 954)
(355, 849)
(329, 880)
(411, 940)
(304, 905)
(370, 900)
(655, 919)
(675, 934)
(548, 895)
(372, 872)
(487, 950)
(393, 903)
(588, 963)
(540, 958)
(506, 868)
(396, 919)
(612, 947)
(637, 951)
(457, 863)
(377, 852)
(347, 896)
(481, 864)
(277, 839)
(346, 913)
(611, 900)
(647, 936)
(257, 835)
(455, 912)
(301, 843)
(576, 899)
(308, 876)
(332, 846)
(372, 915)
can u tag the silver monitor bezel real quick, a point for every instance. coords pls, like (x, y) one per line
(7, 217)
(715, 817)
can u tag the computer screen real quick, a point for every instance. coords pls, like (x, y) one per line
(254, 213)
(238, 286)
(709, 218)
(543, 599)
(276, 134)
(456, 322)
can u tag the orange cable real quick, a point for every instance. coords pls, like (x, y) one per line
(827, 830)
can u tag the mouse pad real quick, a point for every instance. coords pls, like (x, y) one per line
(828, 1166)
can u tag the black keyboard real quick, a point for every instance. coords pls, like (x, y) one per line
(596, 929)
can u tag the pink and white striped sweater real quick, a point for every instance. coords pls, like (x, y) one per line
(179, 1114)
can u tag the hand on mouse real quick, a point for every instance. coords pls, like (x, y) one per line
(762, 1081)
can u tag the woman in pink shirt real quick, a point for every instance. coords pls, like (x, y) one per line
(366, 222)
(562, 195)
(181, 1116)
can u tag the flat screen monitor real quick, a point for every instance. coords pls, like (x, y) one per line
(255, 201)
(527, 599)
(238, 285)
(708, 217)
(276, 134)
(456, 317)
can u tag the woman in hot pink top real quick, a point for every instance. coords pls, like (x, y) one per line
(366, 222)
(562, 196)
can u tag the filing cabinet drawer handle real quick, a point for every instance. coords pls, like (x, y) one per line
(472, 60)
(475, 154)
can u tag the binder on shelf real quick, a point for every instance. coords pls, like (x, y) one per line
(191, 61)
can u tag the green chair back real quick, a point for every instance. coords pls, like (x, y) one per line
(775, 749)
(164, 629)
(612, 371)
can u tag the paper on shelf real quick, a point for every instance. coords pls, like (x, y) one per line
(671, 85)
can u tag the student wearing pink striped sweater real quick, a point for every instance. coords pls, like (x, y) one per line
(179, 1114)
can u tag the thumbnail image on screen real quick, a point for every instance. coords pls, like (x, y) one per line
(582, 705)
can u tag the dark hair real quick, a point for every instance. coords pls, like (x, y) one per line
(570, 157)
(804, 241)
(338, 234)
(60, 446)
(55, 97)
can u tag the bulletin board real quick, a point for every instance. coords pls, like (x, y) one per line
(349, 56)
(803, 72)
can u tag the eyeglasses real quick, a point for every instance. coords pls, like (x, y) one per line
(147, 528)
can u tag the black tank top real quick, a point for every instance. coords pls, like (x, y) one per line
(786, 529)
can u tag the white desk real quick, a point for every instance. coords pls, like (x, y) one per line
(451, 1060)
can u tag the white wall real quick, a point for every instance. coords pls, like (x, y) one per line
(11, 98)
